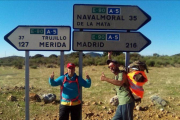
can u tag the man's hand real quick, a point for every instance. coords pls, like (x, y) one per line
(87, 76)
(103, 77)
(109, 55)
(52, 75)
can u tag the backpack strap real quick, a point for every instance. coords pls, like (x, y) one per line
(62, 86)
(138, 100)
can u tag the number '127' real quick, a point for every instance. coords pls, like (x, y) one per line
(23, 44)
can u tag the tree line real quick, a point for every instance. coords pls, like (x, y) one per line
(53, 60)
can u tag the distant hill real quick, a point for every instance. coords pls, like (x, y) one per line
(92, 54)
(176, 54)
(11, 57)
(11, 60)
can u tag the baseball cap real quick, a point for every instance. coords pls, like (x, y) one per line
(70, 65)
(109, 61)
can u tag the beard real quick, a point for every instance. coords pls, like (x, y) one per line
(114, 70)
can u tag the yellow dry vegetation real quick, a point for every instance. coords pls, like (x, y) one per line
(163, 81)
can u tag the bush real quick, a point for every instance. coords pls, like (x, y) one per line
(38, 56)
(34, 67)
(88, 61)
(150, 63)
(53, 60)
(51, 66)
(159, 63)
(53, 56)
(18, 66)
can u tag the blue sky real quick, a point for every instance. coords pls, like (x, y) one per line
(162, 30)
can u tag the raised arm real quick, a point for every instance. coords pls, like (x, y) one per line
(109, 55)
(55, 82)
(85, 83)
(113, 81)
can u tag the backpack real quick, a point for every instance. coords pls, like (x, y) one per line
(138, 65)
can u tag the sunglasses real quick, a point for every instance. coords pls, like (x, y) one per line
(111, 66)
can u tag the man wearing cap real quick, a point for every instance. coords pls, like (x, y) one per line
(126, 102)
(70, 84)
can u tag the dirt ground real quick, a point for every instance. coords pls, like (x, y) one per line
(141, 112)
(98, 110)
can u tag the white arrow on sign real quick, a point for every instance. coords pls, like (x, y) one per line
(40, 38)
(122, 17)
(109, 41)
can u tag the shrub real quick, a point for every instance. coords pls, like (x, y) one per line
(34, 67)
(18, 66)
(51, 66)
(38, 56)
(53, 56)
(150, 63)
(88, 61)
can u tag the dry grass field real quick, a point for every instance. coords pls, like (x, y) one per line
(164, 82)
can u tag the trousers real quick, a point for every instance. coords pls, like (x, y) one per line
(124, 112)
(75, 112)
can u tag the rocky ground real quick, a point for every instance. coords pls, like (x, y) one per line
(99, 110)
(149, 112)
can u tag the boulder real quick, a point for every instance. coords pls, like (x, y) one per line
(114, 101)
(12, 98)
(34, 97)
(49, 98)
(158, 100)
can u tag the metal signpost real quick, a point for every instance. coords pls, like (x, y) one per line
(109, 17)
(122, 17)
(39, 38)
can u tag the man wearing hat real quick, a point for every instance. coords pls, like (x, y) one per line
(126, 102)
(70, 90)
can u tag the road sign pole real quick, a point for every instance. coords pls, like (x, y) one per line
(127, 60)
(27, 84)
(127, 57)
(62, 63)
(61, 68)
(80, 74)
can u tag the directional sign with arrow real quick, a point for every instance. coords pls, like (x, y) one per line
(109, 41)
(41, 38)
(110, 17)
